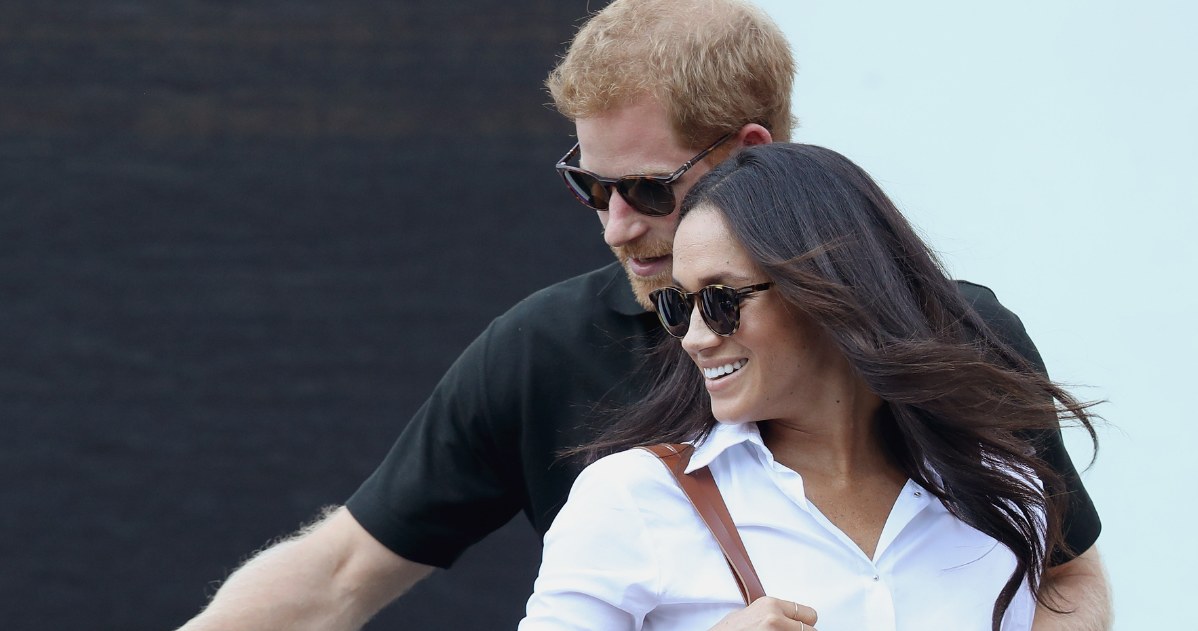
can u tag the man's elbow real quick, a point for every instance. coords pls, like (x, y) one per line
(1078, 595)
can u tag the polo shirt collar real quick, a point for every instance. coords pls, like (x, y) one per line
(617, 293)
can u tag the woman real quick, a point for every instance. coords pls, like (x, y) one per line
(864, 426)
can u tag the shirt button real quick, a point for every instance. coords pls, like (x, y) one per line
(919, 494)
(875, 577)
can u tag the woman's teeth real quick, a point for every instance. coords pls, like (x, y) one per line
(726, 369)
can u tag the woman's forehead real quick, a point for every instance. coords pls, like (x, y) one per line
(705, 251)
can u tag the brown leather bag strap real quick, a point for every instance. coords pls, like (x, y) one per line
(703, 493)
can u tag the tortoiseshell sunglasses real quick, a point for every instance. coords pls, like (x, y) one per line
(651, 195)
(719, 305)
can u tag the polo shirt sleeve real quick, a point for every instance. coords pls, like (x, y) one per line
(1081, 525)
(453, 474)
(600, 568)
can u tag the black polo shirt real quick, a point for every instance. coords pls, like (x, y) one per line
(538, 380)
(485, 445)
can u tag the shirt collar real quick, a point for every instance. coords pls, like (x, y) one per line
(722, 438)
(617, 292)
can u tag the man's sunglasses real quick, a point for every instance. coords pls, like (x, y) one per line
(651, 195)
(718, 304)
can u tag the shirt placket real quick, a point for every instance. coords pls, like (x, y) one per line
(880, 613)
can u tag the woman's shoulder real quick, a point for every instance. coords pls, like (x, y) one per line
(635, 475)
(630, 466)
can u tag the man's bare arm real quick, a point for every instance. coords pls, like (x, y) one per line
(332, 576)
(1082, 589)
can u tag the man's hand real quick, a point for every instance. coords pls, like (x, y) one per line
(1080, 590)
(332, 576)
(769, 614)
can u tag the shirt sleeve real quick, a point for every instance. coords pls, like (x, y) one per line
(1081, 525)
(487, 442)
(599, 569)
(453, 474)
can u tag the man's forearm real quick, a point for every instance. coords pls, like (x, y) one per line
(331, 577)
(1081, 591)
(277, 589)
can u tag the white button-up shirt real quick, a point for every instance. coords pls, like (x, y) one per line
(628, 551)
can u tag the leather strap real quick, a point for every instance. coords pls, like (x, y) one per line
(703, 493)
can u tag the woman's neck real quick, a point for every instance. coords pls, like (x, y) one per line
(835, 437)
(848, 473)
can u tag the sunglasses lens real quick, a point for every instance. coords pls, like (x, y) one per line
(720, 309)
(589, 190)
(672, 309)
(650, 197)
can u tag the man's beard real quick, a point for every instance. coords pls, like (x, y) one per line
(642, 285)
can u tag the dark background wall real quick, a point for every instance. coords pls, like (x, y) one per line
(239, 243)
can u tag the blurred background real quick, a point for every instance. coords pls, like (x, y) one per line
(240, 242)
(1049, 150)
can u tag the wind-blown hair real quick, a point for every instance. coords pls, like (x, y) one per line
(960, 407)
(714, 65)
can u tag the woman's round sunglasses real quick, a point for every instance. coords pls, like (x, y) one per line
(718, 304)
(651, 195)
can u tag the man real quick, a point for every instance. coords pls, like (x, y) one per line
(661, 87)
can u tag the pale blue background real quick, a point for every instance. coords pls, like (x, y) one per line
(1048, 150)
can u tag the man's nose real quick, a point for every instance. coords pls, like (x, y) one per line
(624, 224)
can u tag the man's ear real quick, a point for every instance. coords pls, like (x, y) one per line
(753, 134)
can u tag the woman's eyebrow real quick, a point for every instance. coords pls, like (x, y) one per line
(718, 278)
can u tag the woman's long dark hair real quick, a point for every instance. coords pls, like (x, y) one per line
(960, 405)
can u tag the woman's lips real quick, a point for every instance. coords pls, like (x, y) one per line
(716, 383)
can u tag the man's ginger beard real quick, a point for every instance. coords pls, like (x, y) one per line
(642, 285)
